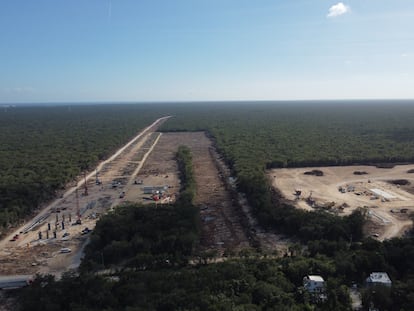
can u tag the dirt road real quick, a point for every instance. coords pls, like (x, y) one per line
(39, 243)
(147, 161)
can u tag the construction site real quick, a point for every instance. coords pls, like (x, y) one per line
(52, 242)
(143, 171)
(221, 217)
(386, 194)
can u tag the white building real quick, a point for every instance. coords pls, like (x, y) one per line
(314, 283)
(379, 278)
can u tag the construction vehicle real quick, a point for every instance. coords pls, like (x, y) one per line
(115, 184)
(85, 231)
(77, 222)
(15, 238)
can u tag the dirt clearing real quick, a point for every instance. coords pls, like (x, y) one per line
(386, 193)
(143, 171)
(221, 219)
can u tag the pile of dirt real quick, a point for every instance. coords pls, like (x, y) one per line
(360, 173)
(401, 182)
(385, 165)
(314, 173)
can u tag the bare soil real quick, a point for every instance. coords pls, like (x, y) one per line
(221, 219)
(340, 191)
(227, 224)
(37, 249)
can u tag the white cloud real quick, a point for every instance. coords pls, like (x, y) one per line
(338, 9)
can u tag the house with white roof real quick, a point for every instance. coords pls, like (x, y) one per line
(314, 284)
(378, 278)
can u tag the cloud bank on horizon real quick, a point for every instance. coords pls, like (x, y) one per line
(338, 10)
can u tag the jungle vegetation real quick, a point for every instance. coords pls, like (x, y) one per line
(252, 138)
(43, 148)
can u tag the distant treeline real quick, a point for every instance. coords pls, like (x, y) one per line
(303, 135)
(253, 138)
(156, 243)
(42, 148)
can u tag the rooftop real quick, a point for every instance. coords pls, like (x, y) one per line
(379, 277)
(315, 278)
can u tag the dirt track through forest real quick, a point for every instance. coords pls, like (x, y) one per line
(149, 159)
(221, 220)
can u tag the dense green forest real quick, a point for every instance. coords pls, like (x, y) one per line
(149, 236)
(253, 137)
(144, 236)
(156, 245)
(251, 283)
(42, 148)
(304, 134)
(235, 285)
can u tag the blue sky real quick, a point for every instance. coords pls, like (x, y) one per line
(172, 50)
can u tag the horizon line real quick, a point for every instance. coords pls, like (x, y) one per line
(97, 102)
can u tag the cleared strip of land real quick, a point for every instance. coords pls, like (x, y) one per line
(35, 246)
(221, 218)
